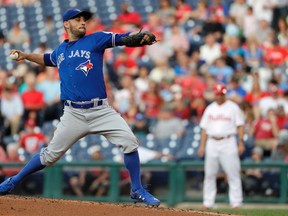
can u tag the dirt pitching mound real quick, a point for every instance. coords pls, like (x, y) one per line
(30, 206)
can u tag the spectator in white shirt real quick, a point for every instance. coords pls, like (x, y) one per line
(250, 23)
(273, 101)
(211, 50)
(262, 9)
(237, 9)
(12, 109)
(141, 82)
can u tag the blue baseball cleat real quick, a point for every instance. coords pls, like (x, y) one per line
(7, 186)
(144, 196)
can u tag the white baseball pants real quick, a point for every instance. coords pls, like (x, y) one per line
(225, 153)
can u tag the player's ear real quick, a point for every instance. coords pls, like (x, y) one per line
(66, 25)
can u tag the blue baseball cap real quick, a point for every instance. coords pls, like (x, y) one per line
(74, 12)
(140, 117)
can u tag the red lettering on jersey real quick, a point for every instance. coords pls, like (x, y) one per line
(219, 118)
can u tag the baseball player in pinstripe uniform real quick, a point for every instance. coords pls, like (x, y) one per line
(79, 61)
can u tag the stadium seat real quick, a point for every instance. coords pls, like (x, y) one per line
(48, 128)
(93, 139)
(190, 144)
(149, 142)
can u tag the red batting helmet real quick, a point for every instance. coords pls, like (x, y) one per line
(220, 89)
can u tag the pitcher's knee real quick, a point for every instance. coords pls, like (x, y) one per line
(48, 157)
(131, 144)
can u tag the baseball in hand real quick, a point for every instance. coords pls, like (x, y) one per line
(14, 56)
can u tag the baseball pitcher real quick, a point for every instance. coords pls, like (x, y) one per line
(79, 60)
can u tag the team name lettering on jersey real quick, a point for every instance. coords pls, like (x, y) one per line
(79, 53)
(60, 58)
(219, 118)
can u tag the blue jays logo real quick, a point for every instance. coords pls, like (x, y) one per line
(85, 67)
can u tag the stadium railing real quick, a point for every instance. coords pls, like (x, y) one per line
(176, 191)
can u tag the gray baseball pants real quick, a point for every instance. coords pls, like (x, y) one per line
(77, 123)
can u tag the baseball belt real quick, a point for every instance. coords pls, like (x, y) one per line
(221, 137)
(85, 104)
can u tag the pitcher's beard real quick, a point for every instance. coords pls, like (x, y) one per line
(82, 34)
(78, 34)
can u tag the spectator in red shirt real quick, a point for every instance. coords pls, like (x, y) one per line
(192, 81)
(265, 131)
(124, 65)
(182, 10)
(129, 18)
(218, 8)
(151, 101)
(275, 54)
(31, 140)
(33, 100)
(282, 118)
(117, 27)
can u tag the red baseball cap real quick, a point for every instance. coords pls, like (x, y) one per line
(220, 89)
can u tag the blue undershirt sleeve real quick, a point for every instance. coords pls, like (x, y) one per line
(50, 60)
(118, 41)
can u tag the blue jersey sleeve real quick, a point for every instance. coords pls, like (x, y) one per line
(50, 59)
(108, 39)
(118, 38)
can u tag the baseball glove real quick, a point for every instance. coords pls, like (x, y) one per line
(139, 39)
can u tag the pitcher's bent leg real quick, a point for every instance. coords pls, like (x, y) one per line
(72, 126)
(115, 129)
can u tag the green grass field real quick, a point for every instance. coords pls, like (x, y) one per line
(254, 212)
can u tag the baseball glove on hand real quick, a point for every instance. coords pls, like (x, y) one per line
(139, 39)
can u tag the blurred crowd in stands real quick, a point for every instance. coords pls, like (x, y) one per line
(163, 89)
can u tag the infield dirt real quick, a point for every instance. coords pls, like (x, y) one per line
(30, 206)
